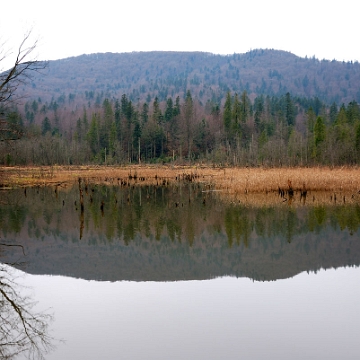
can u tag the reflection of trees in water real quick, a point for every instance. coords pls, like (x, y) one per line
(181, 212)
(136, 232)
(22, 331)
(349, 218)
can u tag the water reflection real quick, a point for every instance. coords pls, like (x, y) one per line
(23, 330)
(176, 232)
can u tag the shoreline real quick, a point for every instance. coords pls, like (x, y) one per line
(250, 186)
(230, 179)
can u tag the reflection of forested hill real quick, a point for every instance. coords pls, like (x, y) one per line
(168, 234)
(209, 257)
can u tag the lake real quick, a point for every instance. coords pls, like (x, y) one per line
(177, 272)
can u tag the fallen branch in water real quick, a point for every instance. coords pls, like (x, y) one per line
(14, 245)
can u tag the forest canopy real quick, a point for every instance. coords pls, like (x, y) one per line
(268, 131)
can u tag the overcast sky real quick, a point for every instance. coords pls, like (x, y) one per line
(326, 29)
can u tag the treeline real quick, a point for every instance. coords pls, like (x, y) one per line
(265, 131)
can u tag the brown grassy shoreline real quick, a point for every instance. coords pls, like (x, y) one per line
(231, 180)
(253, 186)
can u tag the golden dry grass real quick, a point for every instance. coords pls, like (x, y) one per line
(48, 175)
(266, 180)
(252, 186)
(313, 186)
(236, 181)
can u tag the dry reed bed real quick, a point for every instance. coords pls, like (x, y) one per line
(235, 181)
(257, 180)
(291, 186)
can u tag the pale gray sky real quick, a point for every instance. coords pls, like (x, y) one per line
(326, 29)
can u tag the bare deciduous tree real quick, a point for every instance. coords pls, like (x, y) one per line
(22, 331)
(23, 67)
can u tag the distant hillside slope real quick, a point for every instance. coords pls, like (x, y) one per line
(208, 76)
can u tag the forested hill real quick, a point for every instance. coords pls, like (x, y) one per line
(264, 107)
(143, 75)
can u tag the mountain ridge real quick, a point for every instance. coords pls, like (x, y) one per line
(208, 76)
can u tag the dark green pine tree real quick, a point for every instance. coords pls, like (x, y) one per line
(176, 110)
(45, 126)
(12, 128)
(227, 115)
(145, 113)
(85, 122)
(236, 116)
(245, 106)
(124, 105)
(189, 120)
(107, 124)
(137, 137)
(259, 110)
(117, 118)
(93, 135)
(357, 138)
(112, 139)
(333, 112)
(289, 110)
(169, 111)
(157, 115)
(319, 135)
(353, 112)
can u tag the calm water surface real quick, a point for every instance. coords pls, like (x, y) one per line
(174, 273)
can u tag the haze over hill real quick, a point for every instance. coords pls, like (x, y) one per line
(207, 76)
